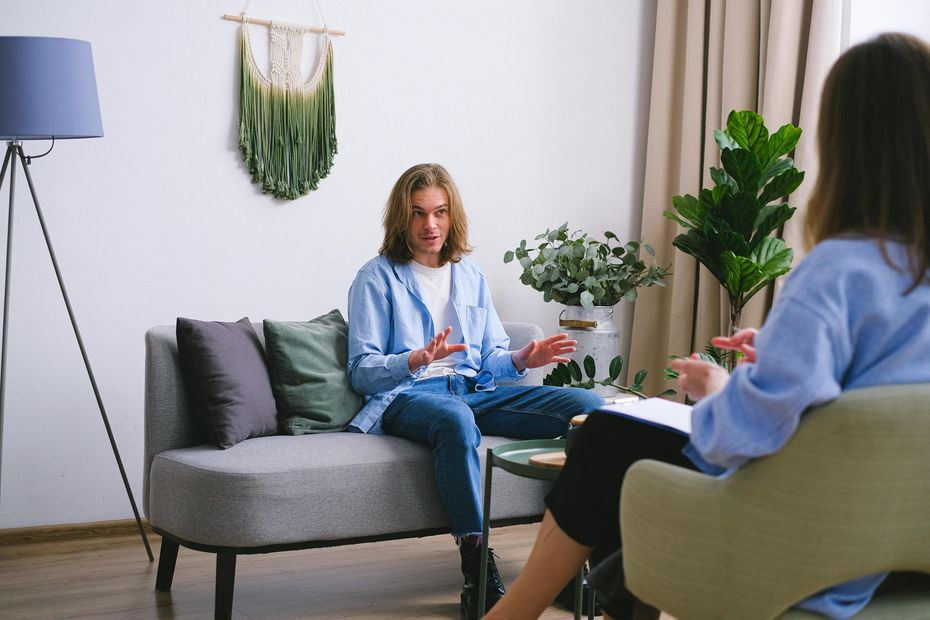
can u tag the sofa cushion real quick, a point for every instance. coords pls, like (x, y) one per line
(330, 486)
(224, 369)
(307, 367)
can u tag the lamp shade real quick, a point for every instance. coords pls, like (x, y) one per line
(47, 89)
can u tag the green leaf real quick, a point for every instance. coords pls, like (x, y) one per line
(770, 218)
(616, 367)
(587, 300)
(609, 235)
(575, 370)
(687, 207)
(672, 216)
(742, 273)
(773, 257)
(695, 244)
(720, 177)
(508, 256)
(748, 130)
(774, 169)
(781, 185)
(723, 140)
(589, 367)
(668, 392)
(781, 143)
(640, 377)
(743, 166)
(740, 210)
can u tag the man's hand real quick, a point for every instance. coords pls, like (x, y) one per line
(546, 351)
(436, 349)
(742, 341)
(698, 378)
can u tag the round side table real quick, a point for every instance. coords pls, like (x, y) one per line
(515, 457)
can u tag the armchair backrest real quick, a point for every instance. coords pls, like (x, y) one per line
(848, 496)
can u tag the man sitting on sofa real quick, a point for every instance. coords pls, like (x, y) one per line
(426, 347)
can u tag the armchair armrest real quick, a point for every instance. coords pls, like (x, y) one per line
(848, 496)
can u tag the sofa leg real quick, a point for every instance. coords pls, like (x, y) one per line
(167, 558)
(225, 579)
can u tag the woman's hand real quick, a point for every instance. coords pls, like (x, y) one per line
(698, 378)
(742, 341)
(549, 350)
(437, 349)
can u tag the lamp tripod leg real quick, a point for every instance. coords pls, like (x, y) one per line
(6, 285)
(80, 341)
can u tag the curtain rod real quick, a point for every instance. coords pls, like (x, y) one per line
(267, 22)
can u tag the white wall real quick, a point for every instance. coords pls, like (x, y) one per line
(538, 107)
(868, 18)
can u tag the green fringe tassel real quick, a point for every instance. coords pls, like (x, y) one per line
(287, 138)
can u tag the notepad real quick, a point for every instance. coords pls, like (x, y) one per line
(655, 411)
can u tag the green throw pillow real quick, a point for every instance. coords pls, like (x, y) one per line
(307, 366)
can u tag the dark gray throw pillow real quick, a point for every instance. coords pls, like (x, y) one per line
(224, 369)
(307, 366)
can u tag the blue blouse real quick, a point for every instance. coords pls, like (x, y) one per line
(842, 321)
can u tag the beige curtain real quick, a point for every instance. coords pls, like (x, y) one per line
(713, 56)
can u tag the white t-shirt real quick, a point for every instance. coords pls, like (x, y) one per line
(436, 290)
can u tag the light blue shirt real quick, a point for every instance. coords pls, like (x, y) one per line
(388, 320)
(842, 321)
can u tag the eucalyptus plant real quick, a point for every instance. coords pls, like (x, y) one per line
(728, 226)
(577, 270)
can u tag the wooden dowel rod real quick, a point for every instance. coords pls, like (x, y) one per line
(267, 22)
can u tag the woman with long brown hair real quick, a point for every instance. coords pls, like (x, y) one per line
(855, 313)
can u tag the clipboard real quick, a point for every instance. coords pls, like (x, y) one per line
(658, 412)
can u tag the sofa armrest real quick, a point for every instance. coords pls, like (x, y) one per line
(520, 334)
(169, 423)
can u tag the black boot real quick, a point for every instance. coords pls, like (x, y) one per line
(471, 569)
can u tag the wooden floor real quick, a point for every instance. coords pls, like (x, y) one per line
(112, 578)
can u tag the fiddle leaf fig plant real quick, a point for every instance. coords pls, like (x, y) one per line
(577, 270)
(728, 226)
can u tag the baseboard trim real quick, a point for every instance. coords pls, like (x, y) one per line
(71, 532)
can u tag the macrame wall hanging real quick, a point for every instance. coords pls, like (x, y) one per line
(287, 126)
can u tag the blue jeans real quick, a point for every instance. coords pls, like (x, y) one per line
(448, 415)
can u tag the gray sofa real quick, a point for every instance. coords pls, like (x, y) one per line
(284, 492)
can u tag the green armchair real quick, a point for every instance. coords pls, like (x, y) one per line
(849, 495)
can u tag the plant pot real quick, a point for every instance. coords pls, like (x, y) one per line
(597, 336)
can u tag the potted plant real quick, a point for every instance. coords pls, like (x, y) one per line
(588, 276)
(728, 226)
(577, 270)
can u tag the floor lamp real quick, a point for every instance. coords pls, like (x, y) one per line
(48, 92)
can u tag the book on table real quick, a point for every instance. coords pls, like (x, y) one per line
(665, 414)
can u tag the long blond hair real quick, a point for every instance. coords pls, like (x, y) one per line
(398, 211)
